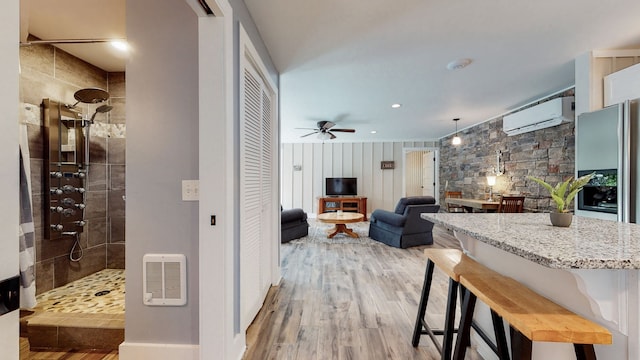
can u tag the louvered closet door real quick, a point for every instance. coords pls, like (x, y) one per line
(255, 195)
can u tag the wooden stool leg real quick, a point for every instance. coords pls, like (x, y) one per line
(501, 338)
(422, 308)
(464, 329)
(584, 351)
(520, 345)
(447, 341)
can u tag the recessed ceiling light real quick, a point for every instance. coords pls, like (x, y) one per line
(120, 45)
(374, 132)
(395, 106)
(458, 64)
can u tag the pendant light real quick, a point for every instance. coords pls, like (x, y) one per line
(456, 139)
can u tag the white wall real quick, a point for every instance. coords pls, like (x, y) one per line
(383, 188)
(9, 18)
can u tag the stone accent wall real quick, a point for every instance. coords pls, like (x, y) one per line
(547, 153)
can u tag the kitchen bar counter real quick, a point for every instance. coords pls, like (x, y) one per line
(591, 268)
(587, 244)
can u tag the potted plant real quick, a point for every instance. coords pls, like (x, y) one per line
(563, 193)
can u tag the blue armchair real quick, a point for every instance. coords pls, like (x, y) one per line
(404, 227)
(293, 224)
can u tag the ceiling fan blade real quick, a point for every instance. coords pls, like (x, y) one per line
(344, 130)
(311, 133)
(332, 136)
(305, 129)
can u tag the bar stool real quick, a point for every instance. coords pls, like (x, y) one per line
(453, 263)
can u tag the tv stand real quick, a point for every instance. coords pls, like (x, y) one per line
(345, 203)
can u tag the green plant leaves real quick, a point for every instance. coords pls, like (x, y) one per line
(558, 192)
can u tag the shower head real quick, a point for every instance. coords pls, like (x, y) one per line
(90, 96)
(101, 109)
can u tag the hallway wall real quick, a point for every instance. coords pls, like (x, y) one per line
(47, 72)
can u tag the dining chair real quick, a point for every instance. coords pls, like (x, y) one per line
(454, 207)
(511, 204)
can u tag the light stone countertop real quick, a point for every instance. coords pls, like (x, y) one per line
(586, 244)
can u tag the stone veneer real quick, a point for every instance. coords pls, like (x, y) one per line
(547, 153)
(48, 72)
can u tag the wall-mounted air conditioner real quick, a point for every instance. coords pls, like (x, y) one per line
(544, 115)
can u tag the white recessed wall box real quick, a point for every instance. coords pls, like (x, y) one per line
(547, 114)
(164, 278)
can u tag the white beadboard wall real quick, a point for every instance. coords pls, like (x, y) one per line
(317, 161)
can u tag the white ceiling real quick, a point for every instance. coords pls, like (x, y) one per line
(348, 61)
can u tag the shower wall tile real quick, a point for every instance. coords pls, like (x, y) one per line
(97, 179)
(36, 166)
(37, 208)
(117, 177)
(37, 58)
(44, 276)
(97, 150)
(97, 231)
(117, 84)
(116, 203)
(66, 271)
(34, 87)
(118, 114)
(36, 141)
(117, 229)
(117, 150)
(50, 249)
(115, 256)
(96, 205)
(77, 72)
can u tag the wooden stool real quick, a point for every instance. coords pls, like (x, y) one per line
(531, 317)
(453, 263)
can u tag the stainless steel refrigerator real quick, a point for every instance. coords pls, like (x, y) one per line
(607, 144)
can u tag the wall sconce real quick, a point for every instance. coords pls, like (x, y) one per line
(456, 139)
(491, 181)
(497, 170)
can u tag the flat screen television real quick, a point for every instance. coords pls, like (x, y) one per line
(342, 186)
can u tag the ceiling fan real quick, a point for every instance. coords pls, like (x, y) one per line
(325, 130)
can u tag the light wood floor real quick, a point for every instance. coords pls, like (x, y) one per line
(348, 301)
(335, 301)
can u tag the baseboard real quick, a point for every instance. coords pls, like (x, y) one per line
(150, 351)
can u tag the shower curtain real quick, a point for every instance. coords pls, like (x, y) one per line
(26, 231)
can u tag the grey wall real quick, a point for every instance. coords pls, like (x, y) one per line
(548, 153)
(162, 150)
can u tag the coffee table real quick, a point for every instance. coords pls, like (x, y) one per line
(340, 220)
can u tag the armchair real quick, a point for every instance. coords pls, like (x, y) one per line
(404, 227)
(293, 224)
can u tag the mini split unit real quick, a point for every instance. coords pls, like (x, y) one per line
(548, 114)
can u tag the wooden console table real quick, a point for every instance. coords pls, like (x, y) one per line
(345, 203)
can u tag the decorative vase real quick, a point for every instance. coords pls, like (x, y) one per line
(561, 219)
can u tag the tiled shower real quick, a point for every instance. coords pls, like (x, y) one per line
(50, 73)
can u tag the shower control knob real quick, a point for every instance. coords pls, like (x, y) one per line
(56, 174)
(80, 190)
(81, 223)
(68, 189)
(80, 206)
(68, 212)
(57, 209)
(57, 227)
(68, 202)
(55, 191)
(80, 175)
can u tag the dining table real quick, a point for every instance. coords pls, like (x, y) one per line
(474, 205)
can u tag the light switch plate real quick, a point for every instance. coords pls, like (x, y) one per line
(190, 190)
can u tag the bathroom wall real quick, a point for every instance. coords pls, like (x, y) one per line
(47, 72)
(546, 153)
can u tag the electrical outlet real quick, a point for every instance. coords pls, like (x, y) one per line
(190, 190)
